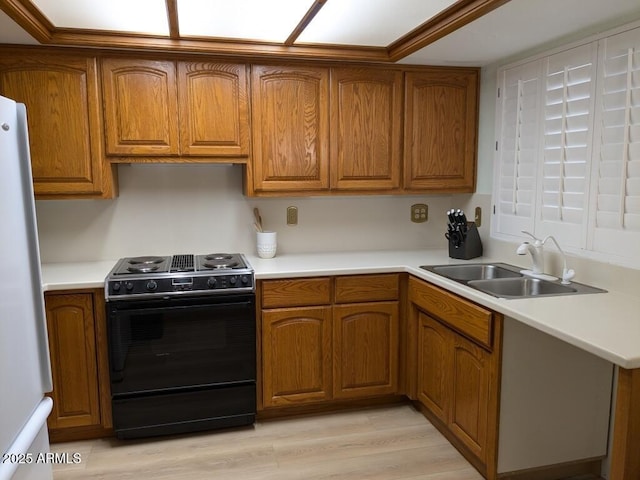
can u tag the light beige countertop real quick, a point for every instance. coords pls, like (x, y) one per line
(75, 275)
(604, 324)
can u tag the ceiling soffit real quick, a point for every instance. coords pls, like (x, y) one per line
(460, 13)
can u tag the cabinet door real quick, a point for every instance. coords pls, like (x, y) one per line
(441, 114)
(366, 129)
(61, 96)
(140, 107)
(290, 125)
(296, 355)
(71, 329)
(470, 400)
(213, 108)
(365, 343)
(434, 366)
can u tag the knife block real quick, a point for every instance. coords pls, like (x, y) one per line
(470, 245)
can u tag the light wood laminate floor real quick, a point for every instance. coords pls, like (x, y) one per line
(388, 443)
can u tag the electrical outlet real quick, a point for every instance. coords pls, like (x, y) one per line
(419, 213)
(292, 215)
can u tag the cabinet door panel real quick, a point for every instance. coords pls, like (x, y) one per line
(140, 107)
(366, 129)
(290, 128)
(469, 410)
(440, 130)
(365, 349)
(72, 345)
(61, 96)
(296, 355)
(434, 366)
(214, 110)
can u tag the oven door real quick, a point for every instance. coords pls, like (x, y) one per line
(181, 343)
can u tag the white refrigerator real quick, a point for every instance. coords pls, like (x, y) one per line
(25, 371)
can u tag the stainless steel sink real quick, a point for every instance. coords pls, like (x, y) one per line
(521, 287)
(474, 271)
(505, 281)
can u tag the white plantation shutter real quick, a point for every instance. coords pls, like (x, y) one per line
(568, 157)
(615, 219)
(565, 157)
(518, 131)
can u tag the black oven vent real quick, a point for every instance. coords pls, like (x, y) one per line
(182, 263)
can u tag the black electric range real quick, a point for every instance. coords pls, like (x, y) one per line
(184, 274)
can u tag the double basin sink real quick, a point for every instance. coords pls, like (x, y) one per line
(505, 281)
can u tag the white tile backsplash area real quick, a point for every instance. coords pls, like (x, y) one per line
(166, 209)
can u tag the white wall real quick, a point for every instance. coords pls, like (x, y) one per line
(168, 209)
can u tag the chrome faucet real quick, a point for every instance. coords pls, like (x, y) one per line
(537, 256)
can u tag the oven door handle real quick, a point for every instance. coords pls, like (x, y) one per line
(197, 306)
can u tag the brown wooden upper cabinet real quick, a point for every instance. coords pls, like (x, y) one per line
(296, 151)
(290, 123)
(390, 130)
(440, 132)
(169, 109)
(366, 129)
(61, 95)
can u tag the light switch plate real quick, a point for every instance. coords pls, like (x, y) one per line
(419, 213)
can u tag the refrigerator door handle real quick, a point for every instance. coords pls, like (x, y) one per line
(30, 214)
(22, 444)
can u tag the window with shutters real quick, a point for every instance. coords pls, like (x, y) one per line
(567, 117)
(568, 149)
(518, 120)
(615, 221)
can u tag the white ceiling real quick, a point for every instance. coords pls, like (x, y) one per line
(523, 25)
(516, 27)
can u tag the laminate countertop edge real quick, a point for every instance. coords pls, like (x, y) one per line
(604, 324)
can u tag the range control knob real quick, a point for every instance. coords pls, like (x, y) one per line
(152, 285)
(116, 287)
(212, 282)
(233, 280)
(244, 279)
(128, 286)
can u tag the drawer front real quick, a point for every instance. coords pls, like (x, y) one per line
(298, 292)
(467, 318)
(367, 288)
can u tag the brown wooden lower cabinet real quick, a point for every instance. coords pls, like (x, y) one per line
(296, 355)
(473, 373)
(458, 376)
(365, 345)
(454, 382)
(78, 351)
(317, 347)
(434, 366)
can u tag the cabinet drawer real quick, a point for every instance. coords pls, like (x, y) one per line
(298, 292)
(467, 318)
(366, 288)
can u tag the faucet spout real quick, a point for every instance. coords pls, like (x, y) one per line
(536, 252)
